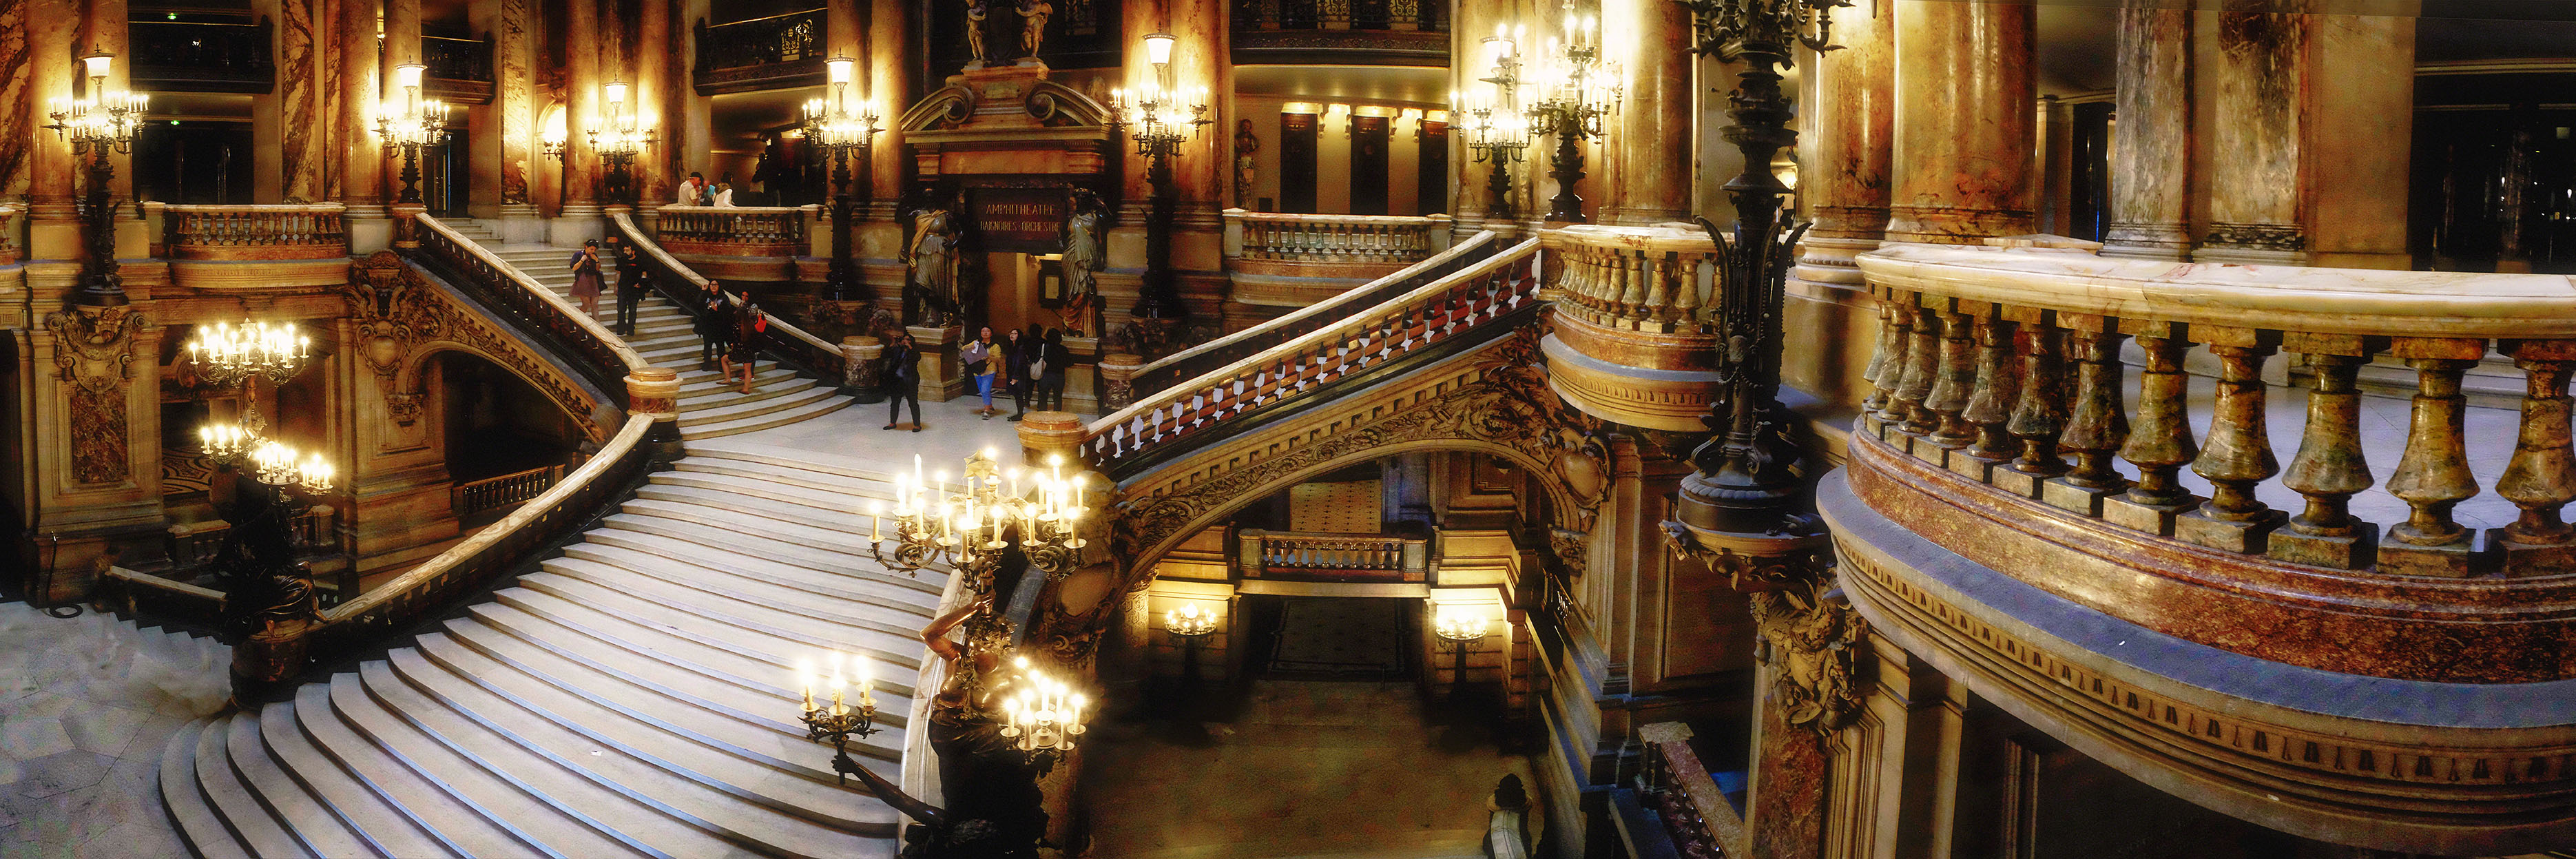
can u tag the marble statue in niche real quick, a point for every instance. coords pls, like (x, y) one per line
(975, 15)
(1246, 164)
(1033, 15)
(934, 261)
(1085, 253)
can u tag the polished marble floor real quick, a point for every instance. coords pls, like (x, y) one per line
(86, 705)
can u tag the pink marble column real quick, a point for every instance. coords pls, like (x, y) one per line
(655, 76)
(47, 76)
(2151, 147)
(514, 58)
(2255, 147)
(890, 82)
(303, 155)
(1853, 116)
(1964, 121)
(2361, 117)
(581, 213)
(1651, 141)
(361, 76)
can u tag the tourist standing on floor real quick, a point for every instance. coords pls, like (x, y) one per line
(978, 357)
(744, 349)
(691, 190)
(902, 380)
(630, 285)
(1017, 351)
(1052, 361)
(714, 319)
(585, 276)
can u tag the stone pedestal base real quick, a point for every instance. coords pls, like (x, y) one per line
(862, 379)
(1049, 434)
(580, 222)
(2242, 536)
(2525, 559)
(369, 231)
(942, 377)
(2347, 552)
(520, 224)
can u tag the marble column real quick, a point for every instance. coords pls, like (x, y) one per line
(19, 108)
(2256, 146)
(361, 154)
(580, 218)
(1853, 114)
(2360, 119)
(2151, 143)
(1651, 139)
(879, 244)
(52, 231)
(1469, 61)
(303, 155)
(1201, 170)
(401, 48)
(507, 142)
(1964, 114)
(653, 76)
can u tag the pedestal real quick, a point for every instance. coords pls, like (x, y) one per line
(1117, 370)
(862, 378)
(942, 377)
(1044, 434)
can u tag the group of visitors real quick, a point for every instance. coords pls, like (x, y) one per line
(729, 333)
(696, 192)
(1029, 366)
(630, 281)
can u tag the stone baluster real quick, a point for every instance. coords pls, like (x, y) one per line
(1659, 293)
(2331, 464)
(2039, 414)
(2237, 454)
(1922, 366)
(2099, 426)
(2433, 475)
(1893, 408)
(1953, 380)
(1990, 405)
(2541, 479)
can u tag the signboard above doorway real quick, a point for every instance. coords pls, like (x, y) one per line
(1020, 220)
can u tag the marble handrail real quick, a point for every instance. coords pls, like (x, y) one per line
(778, 327)
(748, 230)
(1697, 817)
(1161, 371)
(531, 293)
(1656, 279)
(2003, 364)
(1409, 322)
(1333, 238)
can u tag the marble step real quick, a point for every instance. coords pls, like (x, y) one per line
(235, 800)
(366, 815)
(658, 786)
(788, 633)
(848, 519)
(719, 405)
(772, 654)
(814, 502)
(198, 821)
(921, 593)
(707, 382)
(537, 781)
(306, 820)
(551, 829)
(754, 472)
(827, 560)
(843, 538)
(803, 412)
(770, 763)
(861, 469)
(457, 825)
(663, 577)
(751, 722)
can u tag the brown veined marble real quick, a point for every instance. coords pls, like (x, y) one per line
(301, 159)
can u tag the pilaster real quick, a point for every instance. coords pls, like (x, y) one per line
(2255, 151)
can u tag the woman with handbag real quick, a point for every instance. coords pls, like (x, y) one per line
(1017, 351)
(980, 359)
(585, 277)
(749, 322)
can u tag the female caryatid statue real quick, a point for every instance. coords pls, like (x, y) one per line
(1085, 250)
(934, 263)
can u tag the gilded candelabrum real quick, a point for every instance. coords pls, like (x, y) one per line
(225, 354)
(839, 125)
(1578, 91)
(970, 526)
(619, 136)
(1159, 117)
(1497, 130)
(839, 716)
(98, 125)
(1043, 715)
(406, 129)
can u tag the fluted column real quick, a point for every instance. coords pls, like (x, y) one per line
(361, 154)
(2255, 149)
(1964, 121)
(1854, 136)
(581, 214)
(2151, 144)
(1651, 141)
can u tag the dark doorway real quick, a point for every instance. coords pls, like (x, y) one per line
(193, 162)
(1369, 136)
(1333, 638)
(1297, 163)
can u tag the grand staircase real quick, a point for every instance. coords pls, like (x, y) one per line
(709, 408)
(633, 697)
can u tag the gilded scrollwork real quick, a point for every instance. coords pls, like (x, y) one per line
(94, 357)
(400, 318)
(1811, 639)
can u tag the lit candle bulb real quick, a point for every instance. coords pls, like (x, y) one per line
(805, 681)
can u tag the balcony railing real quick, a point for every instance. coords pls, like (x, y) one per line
(681, 284)
(777, 52)
(1335, 239)
(1650, 279)
(307, 231)
(180, 56)
(2001, 390)
(1172, 369)
(459, 70)
(1333, 557)
(478, 497)
(764, 231)
(1370, 32)
(573, 336)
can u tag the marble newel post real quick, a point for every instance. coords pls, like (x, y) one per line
(362, 180)
(1964, 122)
(2255, 147)
(1651, 141)
(1853, 140)
(581, 215)
(2151, 144)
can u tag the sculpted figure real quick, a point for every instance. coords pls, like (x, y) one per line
(1033, 15)
(934, 262)
(1246, 146)
(1085, 251)
(975, 14)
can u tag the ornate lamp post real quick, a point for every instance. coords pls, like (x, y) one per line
(1160, 117)
(1580, 89)
(415, 124)
(1496, 129)
(618, 138)
(100, 123)
(837, 125)
(1458, 631)
(1189, 625)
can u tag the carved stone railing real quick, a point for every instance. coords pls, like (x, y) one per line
(2001, 391)
(191, 546)
(779, 51)
(264, 232)
(1696, 816)
(683, 286)
(1171, 369)
(1350, 31)
(1650, 279)
(1333, 557)
(1423, 320)
(459, 70)
(493, 493)
(176, 56)
(754, 231)
(1334, 239)
(585, 345)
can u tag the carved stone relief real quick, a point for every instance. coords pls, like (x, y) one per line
(1811, 639)
(94, 355)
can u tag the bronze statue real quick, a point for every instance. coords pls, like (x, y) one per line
(934, 263)
(975, 14)
(1246, 166)
(1085, 254)
(1033, 14)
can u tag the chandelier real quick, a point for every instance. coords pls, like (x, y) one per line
(276, 465)
(227, 443)
(106, 119)
(841, 716)
(969, 527)
(1154, 113)
(1577, 88)
(226, 353)
(1189, 621)
(1044, 715)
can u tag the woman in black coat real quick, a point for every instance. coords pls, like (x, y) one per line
(902, 380)
(1017, 351)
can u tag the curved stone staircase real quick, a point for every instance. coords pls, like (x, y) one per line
(633, 697)
(708, 407)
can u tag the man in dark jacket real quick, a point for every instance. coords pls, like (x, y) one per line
(715, 326)
(630, 285)
(1050, 390)
(902, 380)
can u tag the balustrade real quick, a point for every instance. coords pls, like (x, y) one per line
(585, 345)
(762, 53)
(1171, 369)
(452, 59)
(312, 231)
(1941, 378)
(1334, 239)
(1275, 15)
(1334, 557)
(683, 286)
(1418, 321)
(509, 490)
(1697, 819)
(734, 230)
(195, 56)
(1651, 279)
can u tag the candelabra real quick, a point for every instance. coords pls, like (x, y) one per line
(1160, 117)
(617, 137)
(839, 124)
(1189, 625)
(225, 354)
(1496, 129)
(98, 125)
(970, 527)
(1458, 631)
(417, 123)
(1579, 90)
(1043, 715)
(840, 719)
(1745, 479)
(276, 465)
(226, 443)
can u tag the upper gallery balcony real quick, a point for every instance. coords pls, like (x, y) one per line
(195, 52)
(1341, 32)
(777, 52)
